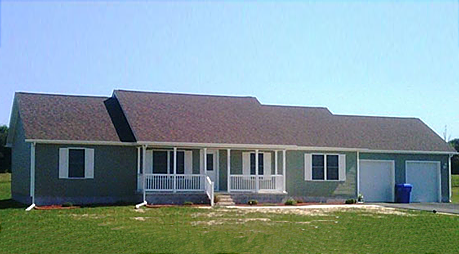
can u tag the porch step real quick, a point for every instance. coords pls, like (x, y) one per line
(225, 200)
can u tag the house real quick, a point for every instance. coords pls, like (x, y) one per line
(171, 148)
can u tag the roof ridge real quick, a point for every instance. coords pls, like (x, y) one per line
(187, 94)
(293, 106)
(369, 116)
(63, 95)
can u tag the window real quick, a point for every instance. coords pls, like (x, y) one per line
(325, 167)
(318, 163)
(260, 164)
(160, 162)
(210, 162)
(76, 163)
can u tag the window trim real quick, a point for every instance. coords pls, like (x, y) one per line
(325, 167)
(63, 173)
(170, 170)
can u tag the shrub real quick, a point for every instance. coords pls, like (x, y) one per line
(252, 202)
(351, 201)
(67, 204)
(187, 203)
(216, 198)
(299, 201)
(290, 201)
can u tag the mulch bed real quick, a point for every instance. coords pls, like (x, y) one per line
(55, 207)
(161, 206)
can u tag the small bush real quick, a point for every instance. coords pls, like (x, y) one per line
(187, 203)
(216, 198)
(67, 204)
(351, 201)
(252, 202)
(290, 201)
(299, 201)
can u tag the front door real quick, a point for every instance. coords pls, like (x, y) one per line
(211, 159)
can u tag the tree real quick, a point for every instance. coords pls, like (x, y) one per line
(455, 160)
(5, 152)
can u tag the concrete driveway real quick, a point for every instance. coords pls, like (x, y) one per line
(439, 207)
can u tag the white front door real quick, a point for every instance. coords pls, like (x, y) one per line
(212, 167)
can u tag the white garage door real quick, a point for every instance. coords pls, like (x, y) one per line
(425, 178)
(376, 180)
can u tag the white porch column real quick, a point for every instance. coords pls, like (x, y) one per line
(358, 173)
(144, 169)
(228, 167)
(175, 169)
(284, 167)
(204, 167)
(275, 163)
(138, 169)
(257, 184)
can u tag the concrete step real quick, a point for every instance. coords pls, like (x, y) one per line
(225, 200)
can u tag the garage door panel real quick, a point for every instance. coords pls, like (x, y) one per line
(425, 178)
(376, 180)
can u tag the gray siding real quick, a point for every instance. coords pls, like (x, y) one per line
(319, 190)
(400, 160)
(114, 177)
(20, 165)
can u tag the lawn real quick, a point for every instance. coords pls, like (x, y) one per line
(197, 230)
(455, 188)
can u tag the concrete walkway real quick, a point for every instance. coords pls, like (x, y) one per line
(438, 207)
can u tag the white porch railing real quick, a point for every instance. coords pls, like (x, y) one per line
(209, 187)
(272, 183)
(165, 182)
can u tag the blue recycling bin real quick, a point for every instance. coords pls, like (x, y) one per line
(403, 192)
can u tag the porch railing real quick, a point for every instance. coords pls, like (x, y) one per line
(165, 182)
(209, 187)
(272, 183)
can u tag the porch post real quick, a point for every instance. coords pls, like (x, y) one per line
(284, 167)
(138, 167)
(257, 184)
(144, 169)
(275, 162)
(228, 167)
(205, 160)
(175, 169)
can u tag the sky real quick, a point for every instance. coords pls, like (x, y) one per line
(381, 58)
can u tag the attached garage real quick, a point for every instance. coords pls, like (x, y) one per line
(426, 181)
(377, 180)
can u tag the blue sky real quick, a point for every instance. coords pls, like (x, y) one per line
(354, 57)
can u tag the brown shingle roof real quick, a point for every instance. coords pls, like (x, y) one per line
(64, 117)
(165, 117)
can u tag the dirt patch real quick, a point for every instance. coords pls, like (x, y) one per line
(140, 218)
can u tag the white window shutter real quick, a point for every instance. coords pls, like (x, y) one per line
(246, 163)
(188, 162)
(307, 167)
(342, 167)
(88, 163)
(149, 162)
(267, 164)
(63, 162)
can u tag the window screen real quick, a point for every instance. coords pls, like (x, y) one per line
(160, 162)
(332, 167)
(318, 167)
(76, 162)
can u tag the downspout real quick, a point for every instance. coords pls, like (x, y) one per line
(32, 176)
(144, 160)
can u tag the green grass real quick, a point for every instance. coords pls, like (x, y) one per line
(455, 188)
(5, 182)
(193, 230)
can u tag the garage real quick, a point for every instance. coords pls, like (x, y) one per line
(425, 178)
(376, 180)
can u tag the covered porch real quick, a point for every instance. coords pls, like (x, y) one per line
(200, 169)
